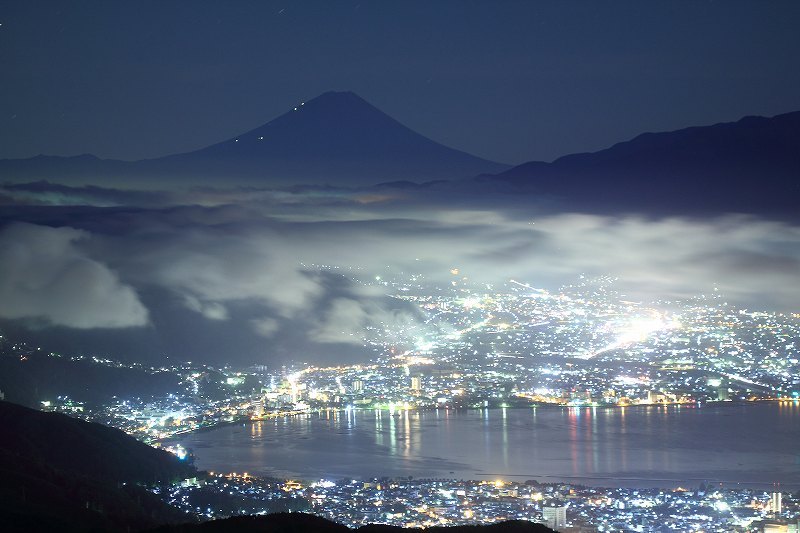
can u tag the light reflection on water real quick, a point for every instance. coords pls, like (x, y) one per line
(637, 446)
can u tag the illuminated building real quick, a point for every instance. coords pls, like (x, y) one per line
(722, 391)
(555, 516)
(655, 397)
(775, 503)
(772, 527)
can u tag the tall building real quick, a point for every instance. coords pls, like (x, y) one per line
(358, 385)
(775, 503)
(722, 393)
(654, 396)
(555, 516)
(416, 383)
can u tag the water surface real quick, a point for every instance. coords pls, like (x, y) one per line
(753, 444)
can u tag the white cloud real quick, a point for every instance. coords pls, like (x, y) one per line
(266, 327)
(251, 275)
(45, 276)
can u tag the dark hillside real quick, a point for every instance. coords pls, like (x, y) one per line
(39, 377)
(64, 474)
(302, 523)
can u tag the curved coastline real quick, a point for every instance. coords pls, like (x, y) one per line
(579, 445)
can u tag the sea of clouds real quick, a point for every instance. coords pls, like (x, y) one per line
(268, 275)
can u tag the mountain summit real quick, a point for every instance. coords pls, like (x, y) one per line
(337, 138)
(337, 126)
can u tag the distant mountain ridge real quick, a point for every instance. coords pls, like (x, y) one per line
(750, 166)
(337, 138)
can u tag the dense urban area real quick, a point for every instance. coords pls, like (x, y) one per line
(435, 502)
(478, 346)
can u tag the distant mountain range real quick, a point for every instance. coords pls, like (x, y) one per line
(337, 138)
(750, 166)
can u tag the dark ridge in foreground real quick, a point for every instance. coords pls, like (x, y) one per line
(65, 474)
(301, 523)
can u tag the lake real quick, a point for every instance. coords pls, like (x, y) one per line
(751, 445)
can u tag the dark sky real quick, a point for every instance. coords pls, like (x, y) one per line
(510, 81)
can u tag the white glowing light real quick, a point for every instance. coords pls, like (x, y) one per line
(471, 302)
(424, 345)
(634, 330)
(639, 329)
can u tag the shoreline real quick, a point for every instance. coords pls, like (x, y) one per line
(245, 419)
(678, 484)
(660, 480)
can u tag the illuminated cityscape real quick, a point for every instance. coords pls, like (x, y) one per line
(498, 347)
(426, 503)
(483, 348)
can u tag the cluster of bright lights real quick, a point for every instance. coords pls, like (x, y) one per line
(471, 303)
(640, 329)
(178, 450)
(635, 330)
(424, 345)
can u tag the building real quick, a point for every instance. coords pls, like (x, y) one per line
(723, 394)
(775, 503)
(774, 527)
(656, 397)
(555, 516)
(416, 383)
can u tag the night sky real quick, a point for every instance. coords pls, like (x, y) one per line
(508, 81)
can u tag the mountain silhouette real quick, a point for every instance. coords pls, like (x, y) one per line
(337, 138)
(306, 523)
(64, 474)
(749, 166)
